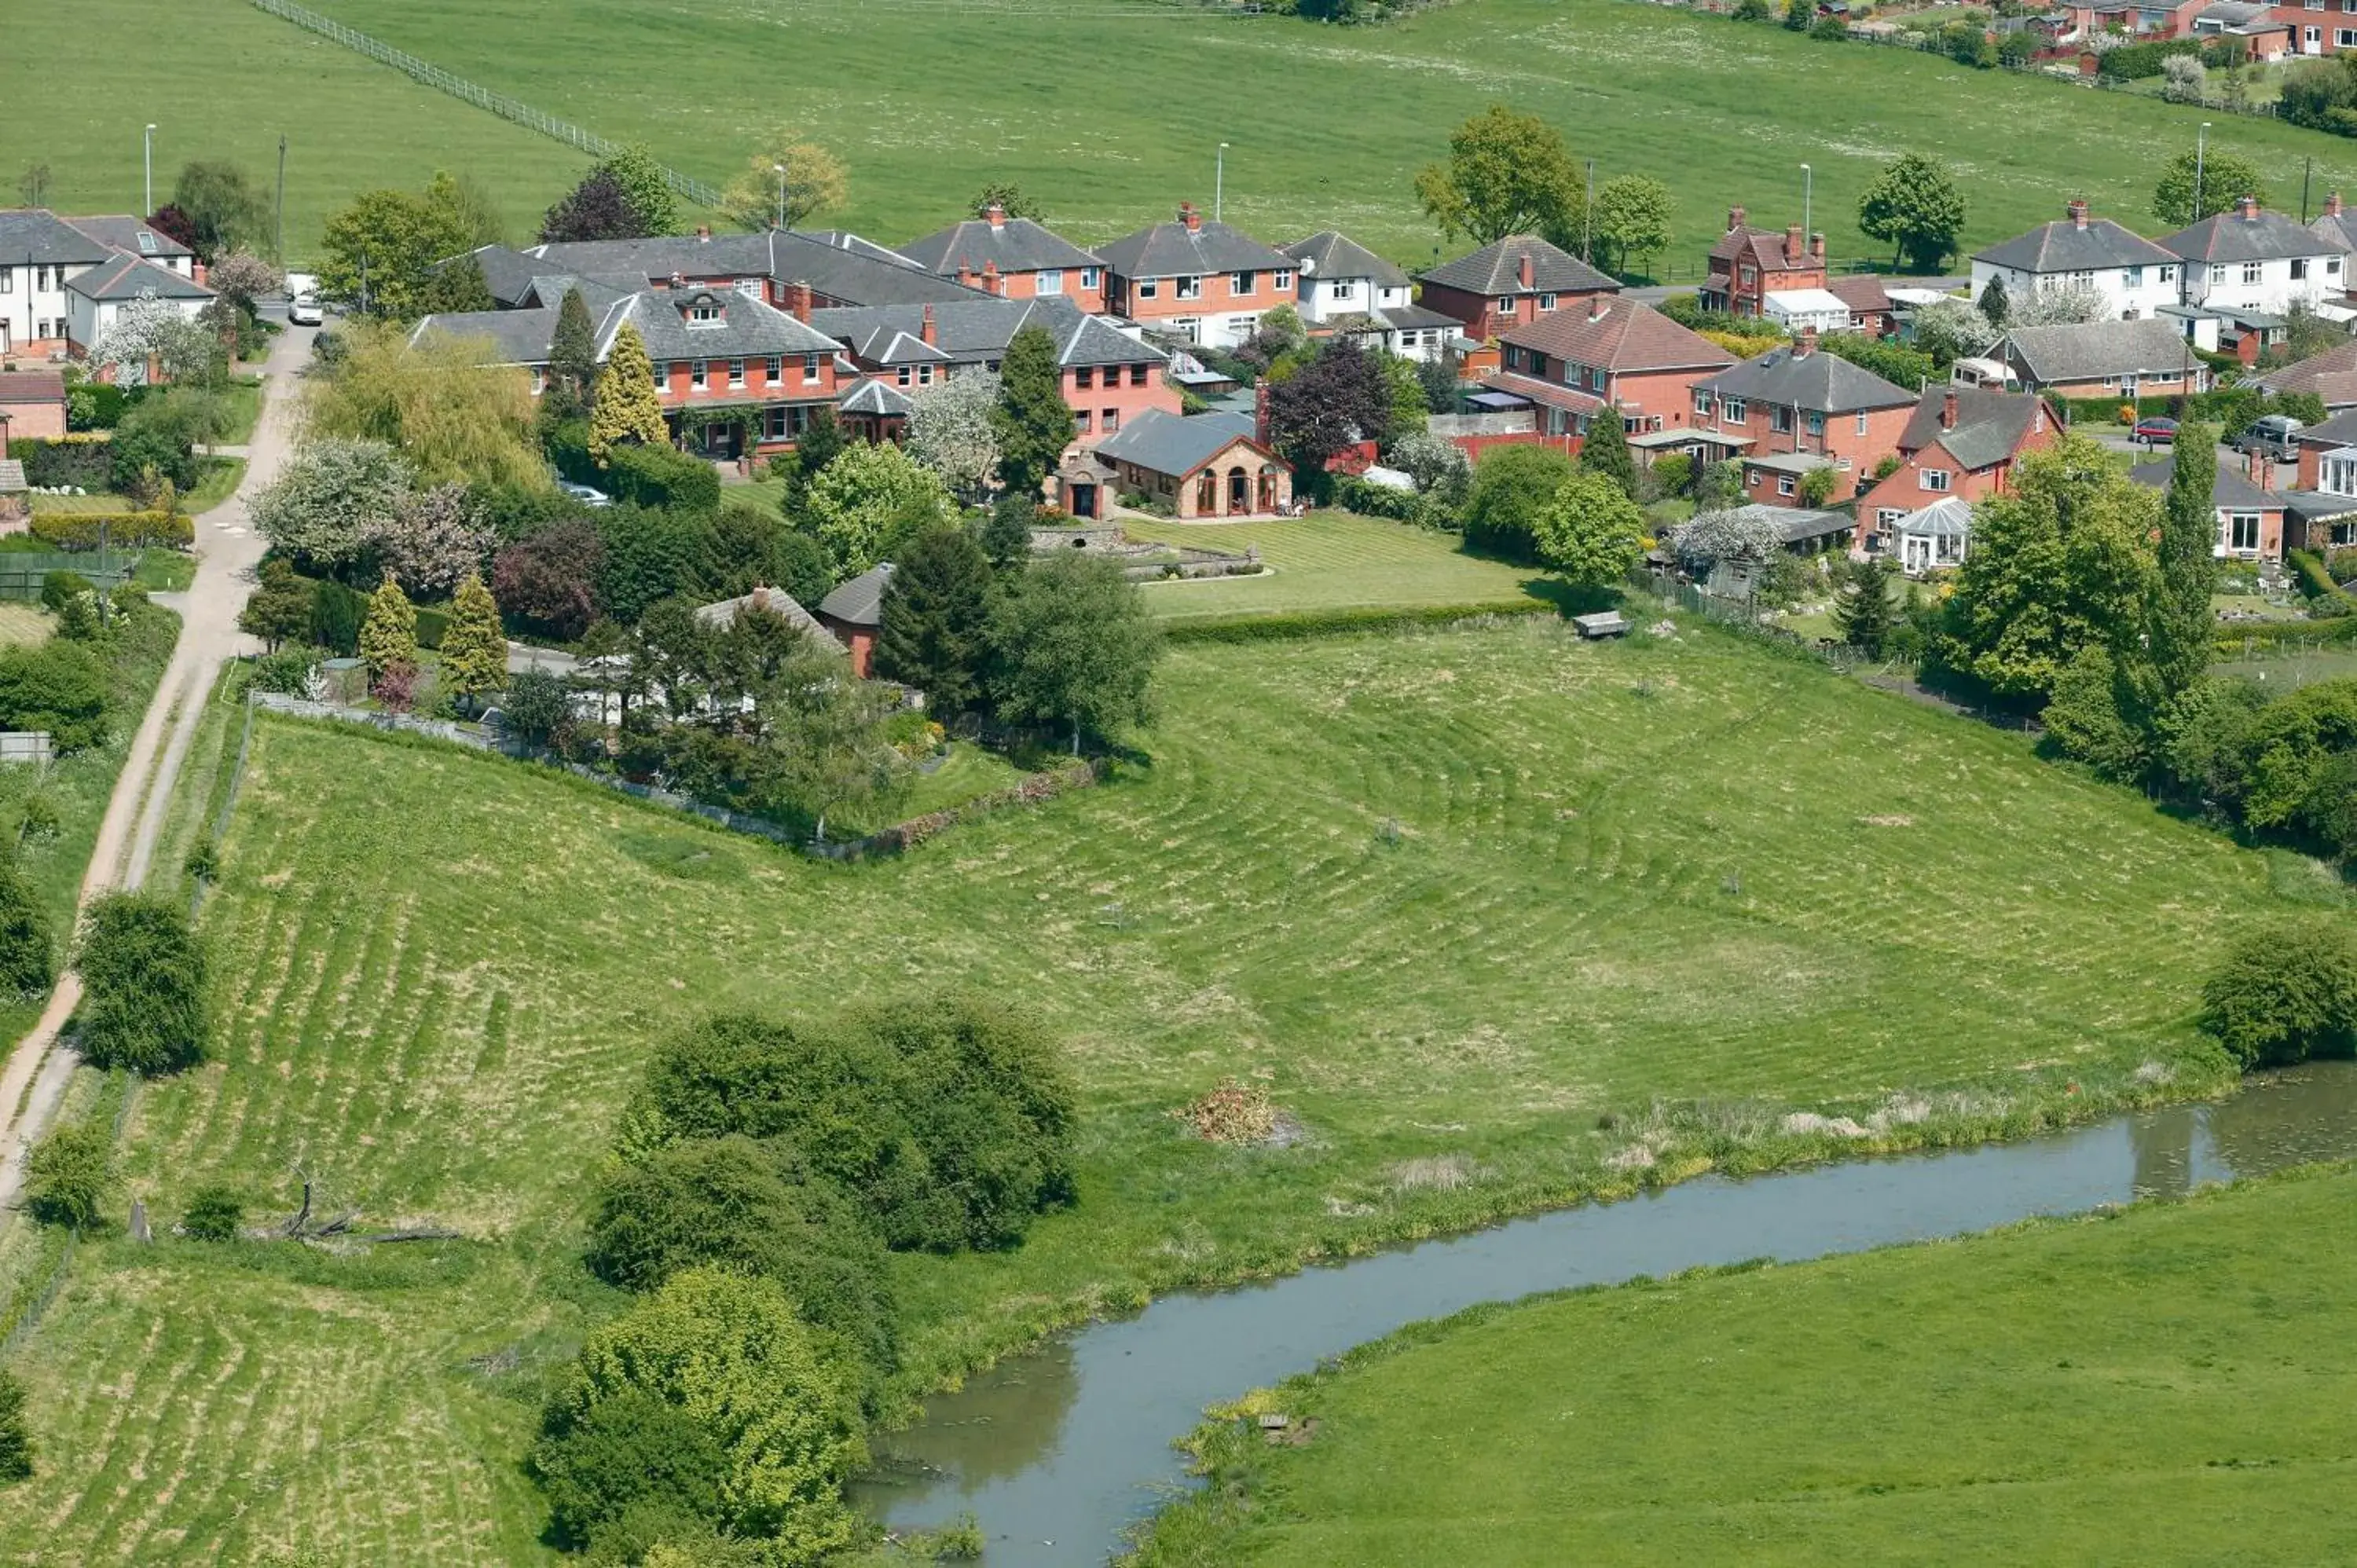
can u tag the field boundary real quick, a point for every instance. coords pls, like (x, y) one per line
(513, 110)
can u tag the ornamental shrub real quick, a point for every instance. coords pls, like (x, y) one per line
(60, 687)
(1510, 484)
(143, 975)
(214, 1214)
(2284, 995)
(69, 1175)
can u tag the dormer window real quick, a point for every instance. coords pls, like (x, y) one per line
(704, 311)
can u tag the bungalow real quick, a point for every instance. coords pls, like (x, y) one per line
(1872, 309)
(32, 406)
(2135, 276)
(1012, 257)
(1932, 537)
(1204, 466)
(1961, 442)
(2331, 376)
(2124, 359)
(2264, 36)
(854, 612)
(763, 601)
(1802, 400)
(1800, 531)
(1345, 287)
(1748, 265)
(2250, 516)
(1620, 354)
(1509, 284)
(782, 267)
(1203, 283)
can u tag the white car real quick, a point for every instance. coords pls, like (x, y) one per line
(587, 495)
(303, 310)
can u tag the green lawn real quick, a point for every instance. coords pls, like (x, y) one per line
(2170, 1384)
(1725, 113)
(1330, 560)
(1583, 914)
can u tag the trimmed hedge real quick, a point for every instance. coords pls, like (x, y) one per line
(83, 460)
(649, 475)
(2332, 629)
(2328, 597)
(1285, 628)
(78, 531)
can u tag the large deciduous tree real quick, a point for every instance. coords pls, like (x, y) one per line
(597, 208)
(378, 253)
(1031, 419)
(2223, 179)
(1344, 396)
(456, 417)
(1913, 206)
(152, 334)
(1510, 485)
(645, 186)
(1075, 647)
(951, 432)
(280, 608)
(550, 580)
(472, 211)
(626, 407)
(866, 502)
(226, 212)
(935, 634)
(435, 538)
(27, 956)
(1591, 532)
(1507, 173)
(331, 500)
(1633, 212)
(69, 1175)
(815, 181)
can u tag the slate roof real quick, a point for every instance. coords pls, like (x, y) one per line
(872, 396)
(507, 272)
(1164, 442)
(1174, 250)
(2065, 247)
(1618, 335)
(1331, 255)
(2263, 236)
(2091, 351)
(1413, 318)
(1496, 269)
(2338, 229)
(2232, 489)
(977, 329)
(2341, 430)
(1947, 517)
(1013, 245)
(1816, 383)
(837, 265)
(860, 602)
(1554, 394)
(517, 337)
(776, 601)
(128, 277)
(132, 236)
(2331, 375)
(35, 236)
(1990, 425)
(19, 388)
(1797, 525)
(748, 327)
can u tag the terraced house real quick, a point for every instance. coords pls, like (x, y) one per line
(1013, 257)
(1200, 282)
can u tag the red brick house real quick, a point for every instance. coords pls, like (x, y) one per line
(1870, 310)
(2330, 375)
(1012, 257)
(1746, 264)
(32, 406)
(2251, 516)
(1620, 354)
(1511, 284)
(1961, 442)
(2324, 508)
(854, 612)
(1801, 401)
(1202, 282)
(1205, 466)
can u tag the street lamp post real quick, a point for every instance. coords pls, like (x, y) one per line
(2201, 152)
(1219, 182)
(148, 160)
(1808, 199)
(781, 193)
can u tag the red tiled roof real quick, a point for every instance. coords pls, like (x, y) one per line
(1547, 393)
(31, 386)
(1619, 335)
(1861, 292)
(1767, 248)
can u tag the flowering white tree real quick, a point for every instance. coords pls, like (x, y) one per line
(2069, 304)
(152, 329)
(1733, 537)
(433, 541)
(333, 499)
(1953, 329)
(948, 432)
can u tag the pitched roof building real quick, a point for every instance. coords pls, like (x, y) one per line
(1961, 442)
(2104, 359)
(1012, 256)
(1205, 466)
(2247, 257)
(2331, 376)
(1509, 283)
(1617, 353)
(1345, 287)
(1196, 279)
(1746, 264)
(2135, 276)
(42, 255)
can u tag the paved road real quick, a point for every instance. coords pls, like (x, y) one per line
(36, 1071)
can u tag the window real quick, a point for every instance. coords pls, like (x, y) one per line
(1861, 423)
(1243, 326)
(1733, 409)
(2338, 473)
(2218, 272)
(1051, 280)
(1110, 420)
(1282, 282)
(774, 370)
(1188, 288)
(2241, 533)
(2298, 268)
(1784, 486)
(1935, 480)
(735, 372)
(1149, 288)
(809, 370)
(1780, 420)
(1187, 327)
(1596, 378)
(904, 375)
(1089, 278)
(1083, 378)
(2253, 271)
(2344, 533)
(703, 313)
(2332, 266)
(924, 375)
(1546, 302)
(2168, 274)
(773, 423)
(696, 371)
(1816, 422)
(539, 381)
(7, 280)
(1137, 375)
(2132, 277)
(1343, 288)
(1702, 405)
(1242, 282)
(41, 280)
(1751, 276)
(1081, 421)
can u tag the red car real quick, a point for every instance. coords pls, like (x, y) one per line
(2155, 432)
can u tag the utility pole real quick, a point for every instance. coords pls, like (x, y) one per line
(2201, 152)
(1219, 181)
(781, 193)
(148, 160)
(1587, 217)
(279, 246)
(1808, 202)
(2306, 173)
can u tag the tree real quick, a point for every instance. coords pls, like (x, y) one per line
(646, 185)
(1075, 648)
(16, 1435)
(214, 1214)
(597, 208)
(1733, 537)
(754, 1382)
(1798, 14)
(626, 407)
(1006, 535)
(572, 362)
(1507, 173)
(537, 705)
(815, 181)
(142, 979)
(950, 431)
(828, 751)
(1952, 330)
(2068, 305)
(467, 204)
(1341, 397)
(862, 505)
(1510, 484)
(935, 634)
(280, 608)
(1032, 419)
(434, 539)
(1863, 617)
(225, 212)
(2183, 79)
(456, 288)
(633, 1465)
(456, 416)
(1605, 450)
(1592, 533)
(28, 955)
(1632, 218)
(474, 648)
(330, 501)
(61, 686)
(69, 1175)
(1407, 415)
(1993, 302)
(1005, 195)
(2224, 179)
(1914, 206)
(549, 581)
(153, 332)
(2305, 334)
(243, 277)
(2286, 993)
(378, 253)
(389, 636)
(2180, 628)
(33, 184)
(1438, 464)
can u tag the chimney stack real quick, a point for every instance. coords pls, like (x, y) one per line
(2078, 212)
(1260, 410)
(991, 283)
(760, 598)
(1596, 308)
(1190, 216)
(1817, 250)
(1734, 216)
(1793, 250)
(996, 216)
(925, 329)
(2246, 207)
(1807, 343)
(704, 233)
(1523, 274)
(797, 300)
(2332, 205)
(1948, 409)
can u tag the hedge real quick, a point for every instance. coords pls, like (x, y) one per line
(2132, 62)
(1287, 627)
(2315, 582)
(1370, 499)
(2332, 629)
(78, 531)
(83, 460)
(649, 475)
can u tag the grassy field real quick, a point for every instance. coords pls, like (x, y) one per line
(1723, 113)
(1458, 894)
(2166, 1384)
(1332, 560)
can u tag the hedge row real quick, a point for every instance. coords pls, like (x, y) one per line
(649, 476)
(1321, 623)
(2332, 629)
(78, 531)
(81, 460)
(2328, 597)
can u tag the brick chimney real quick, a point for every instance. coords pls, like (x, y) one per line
(760, 598)
(925, 329)
(1735, 217)
(1948, 409)
(1793, 249)
(2332, 205)
(1190, 216)
(991, 281)
(1260, 410)
(1596, 308)
(996, 216)
(2263, 470)
(795, 300)
(1817, 250)
(967, 278)
(1807, 344)
(1523, 273)
(2246, 207)
(2077, 212)
(704, 233)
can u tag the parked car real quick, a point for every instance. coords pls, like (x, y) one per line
(303, 310)
(588, 495)
(2278, 436)
(2155, 432)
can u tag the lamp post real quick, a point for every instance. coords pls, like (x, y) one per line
(781, 193)
(2201, 152)
(1808, 198)
(148, 160)
(1219, 181)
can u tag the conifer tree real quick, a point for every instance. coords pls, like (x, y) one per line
(1994, 302)
(1007, 536)
(474, 648)
(1606, 451)
(389, 635)
(16, 1437)
(627, 408)
(2180, 629)
(1032, 420)
(572, 359)
(936, 616)
(1862, 613)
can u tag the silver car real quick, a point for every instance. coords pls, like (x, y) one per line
(588, 495)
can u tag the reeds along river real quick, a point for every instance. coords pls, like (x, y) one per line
(1058, 1451)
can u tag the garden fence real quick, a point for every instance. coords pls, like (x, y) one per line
(498, 104)
(21, 572)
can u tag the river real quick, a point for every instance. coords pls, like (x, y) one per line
(1056, 1452)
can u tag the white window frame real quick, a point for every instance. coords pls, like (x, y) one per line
(2232, 525)
(1049, 280)
(809, 370)
(2254, 273)
(1282, 281)
(1186, 288)
(1786, 485)
(774, 370)
(1149, 288)
(701, 314)
(1703, 403)
(699, 374)
(1734, 411)
(1242, 283)
(1090, 277)
(1936, 480)
(737, 375)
